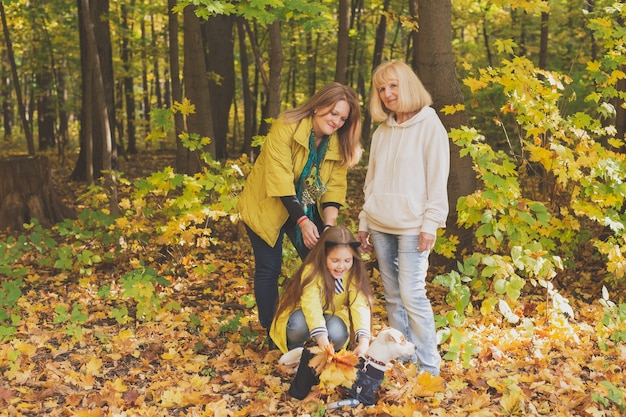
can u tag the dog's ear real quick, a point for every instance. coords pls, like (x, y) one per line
(396, 337)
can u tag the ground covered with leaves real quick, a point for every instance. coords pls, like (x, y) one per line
(204, 353)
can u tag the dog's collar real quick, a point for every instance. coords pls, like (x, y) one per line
(368, 358)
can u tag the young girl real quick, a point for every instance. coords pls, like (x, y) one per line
(329, 294)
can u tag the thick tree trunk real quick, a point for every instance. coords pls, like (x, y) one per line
(27, 193)
(218, 32)
(436, 69)
(196, 85)
(102, 142)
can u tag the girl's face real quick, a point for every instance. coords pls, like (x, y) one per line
(339, 261)
(328, 120)
(388, 93)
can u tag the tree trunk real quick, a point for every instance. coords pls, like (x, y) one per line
(196, 88)
(220, 61)
(155, 65)
(101, 108)
(144, 73)
(543, 43)
(436, 69)
(379, 44)
(341, 67)
(248, 103)
(7, 103)
(177, 88)
(27, 193)
(45, 110)
(276, 70)
(129, 94)
(102, 141)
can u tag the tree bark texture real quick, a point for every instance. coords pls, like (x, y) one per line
(27, 193)
(99, 139)
(221, 64)
(196, 86)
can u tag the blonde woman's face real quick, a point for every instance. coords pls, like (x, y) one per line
(339, 260)
(388, 93)
(328, 120)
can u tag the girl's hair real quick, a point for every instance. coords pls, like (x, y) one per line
(315, 265)
(350, 133)
(412, 96)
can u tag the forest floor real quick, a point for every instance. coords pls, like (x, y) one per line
(209, 357)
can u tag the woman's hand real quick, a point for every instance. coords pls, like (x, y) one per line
(426, 241)
(310, 234)
(364, 238)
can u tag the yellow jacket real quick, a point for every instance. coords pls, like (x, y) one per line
(276, 172)
(311, 305)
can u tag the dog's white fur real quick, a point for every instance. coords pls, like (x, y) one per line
(390, 344)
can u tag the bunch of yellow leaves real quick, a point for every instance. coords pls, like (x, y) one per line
(334, 369)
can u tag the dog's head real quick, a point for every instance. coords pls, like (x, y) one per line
(389, 345)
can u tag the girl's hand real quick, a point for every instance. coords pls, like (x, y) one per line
(362, 347)
(322, 342)
(364, 238)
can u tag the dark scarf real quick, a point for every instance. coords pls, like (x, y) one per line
(310, 174)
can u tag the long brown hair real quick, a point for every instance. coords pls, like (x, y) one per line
(350, 133)
(315, 265)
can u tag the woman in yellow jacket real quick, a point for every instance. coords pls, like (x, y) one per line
(298, 183)
(327, 297)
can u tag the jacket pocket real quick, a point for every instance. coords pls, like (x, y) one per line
(395, 211)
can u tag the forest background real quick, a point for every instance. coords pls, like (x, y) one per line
(129, 128)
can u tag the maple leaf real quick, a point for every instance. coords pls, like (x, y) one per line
(427, 385)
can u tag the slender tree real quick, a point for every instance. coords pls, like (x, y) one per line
(126, 56)
(343, 17)
(248, 103)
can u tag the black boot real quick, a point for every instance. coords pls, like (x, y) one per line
(305, 378)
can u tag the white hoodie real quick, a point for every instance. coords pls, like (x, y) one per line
(406, 182)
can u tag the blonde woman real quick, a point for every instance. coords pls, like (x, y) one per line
(406, 201)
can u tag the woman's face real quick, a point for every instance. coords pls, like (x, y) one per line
(388, 93)
(339, 261)
(328, 120)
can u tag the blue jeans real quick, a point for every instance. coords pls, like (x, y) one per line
(298, 331)
(268, 263)
(403, 271)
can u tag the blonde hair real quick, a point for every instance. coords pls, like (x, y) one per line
(412, 97)
(350, 133)
(315, 265)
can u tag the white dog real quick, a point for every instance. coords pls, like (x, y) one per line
(390, 344)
